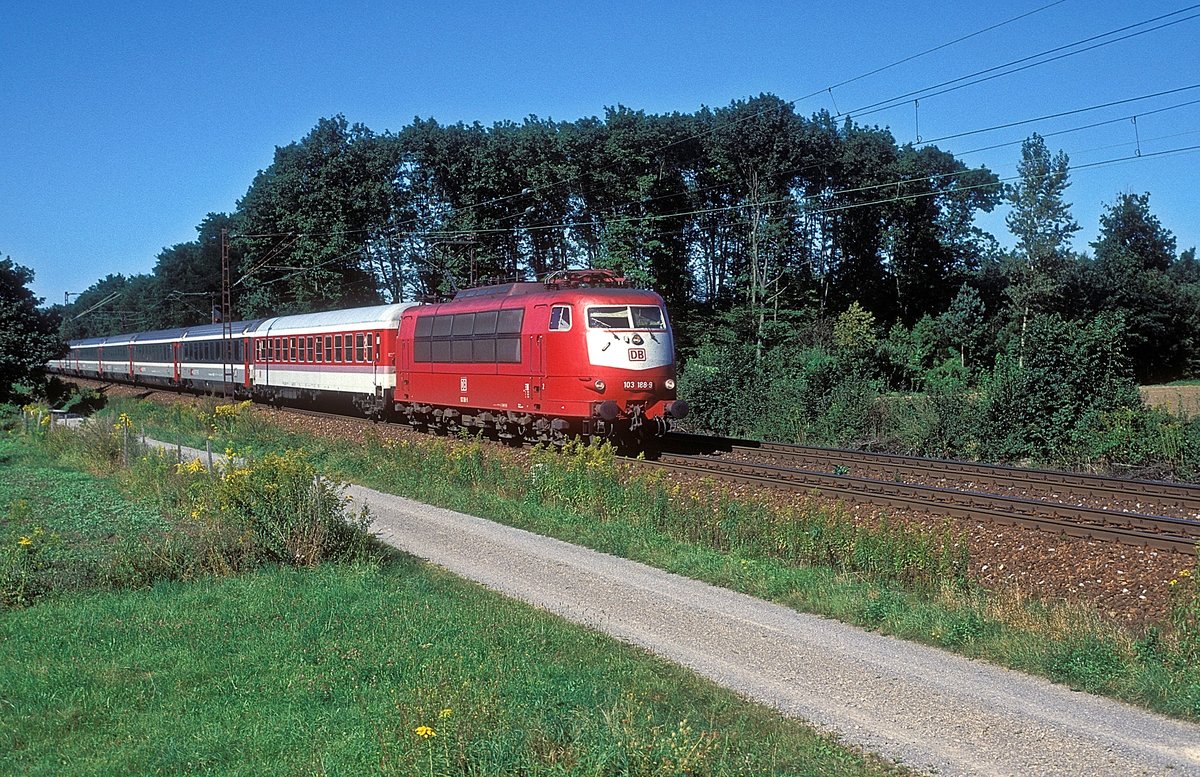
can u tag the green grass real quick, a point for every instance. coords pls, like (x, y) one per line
(334, 669)
(906, 583)
(910, 584)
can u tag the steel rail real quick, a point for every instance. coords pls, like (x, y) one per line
(1183, 496)
(1175, 534)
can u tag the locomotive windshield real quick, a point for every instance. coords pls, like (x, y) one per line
(626, 317)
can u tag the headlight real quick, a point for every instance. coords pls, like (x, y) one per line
(670, 384)
(600, 385)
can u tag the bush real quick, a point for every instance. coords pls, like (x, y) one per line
(1036, 404)
(273, 510)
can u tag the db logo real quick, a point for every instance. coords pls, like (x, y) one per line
(637, 354)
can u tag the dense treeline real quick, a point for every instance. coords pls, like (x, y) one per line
(809, 264)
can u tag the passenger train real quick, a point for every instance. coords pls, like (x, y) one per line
(580, 354)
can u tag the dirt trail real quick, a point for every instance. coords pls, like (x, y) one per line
(925, 708)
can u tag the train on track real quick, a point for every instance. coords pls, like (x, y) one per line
(580, 354)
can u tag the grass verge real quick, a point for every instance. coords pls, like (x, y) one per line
(377, 664)
(898, 581)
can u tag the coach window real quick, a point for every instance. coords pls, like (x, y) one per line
(359, 356)
(337, 348)
(320, 355)
(372, 356)
(560, 318)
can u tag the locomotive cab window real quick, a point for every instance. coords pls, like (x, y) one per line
(626, 317)
(608, 318)
(560, 318)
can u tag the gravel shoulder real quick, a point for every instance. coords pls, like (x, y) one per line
(925, 708)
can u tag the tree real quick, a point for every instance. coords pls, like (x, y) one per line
(1131, 235)
(29, 337)
(1133, 254)
(187, 276)
(307, 221)
(963, 322)
(1042, 223)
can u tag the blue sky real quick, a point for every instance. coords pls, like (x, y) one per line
(125, 123)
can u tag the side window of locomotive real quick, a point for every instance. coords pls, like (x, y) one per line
(485, 324)
(462, 331)
(508, 349)
(608, 318)
(440, 345)
(421, 347)
(509, 322)
(647, 317)
(483, 345)
(560, 318)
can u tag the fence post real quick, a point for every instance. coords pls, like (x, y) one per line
(208, 447)
(125, 444)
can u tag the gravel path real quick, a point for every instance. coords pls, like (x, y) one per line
(925, 708)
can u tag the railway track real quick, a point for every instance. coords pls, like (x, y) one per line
(881, 479)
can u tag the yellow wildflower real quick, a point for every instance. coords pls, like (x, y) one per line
(1185, 573)
(424, 732)
(1174, 582)
(25, 541)
(447, 712)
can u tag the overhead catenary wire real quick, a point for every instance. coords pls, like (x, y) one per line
(394, 230)
(926, 91)
(929, 91)
(528, 190)
(613, 216)
(817, 210)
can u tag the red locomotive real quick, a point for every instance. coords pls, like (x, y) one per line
(577, 355)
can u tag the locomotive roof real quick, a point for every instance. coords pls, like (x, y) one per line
(499, 290)
(586, 294)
